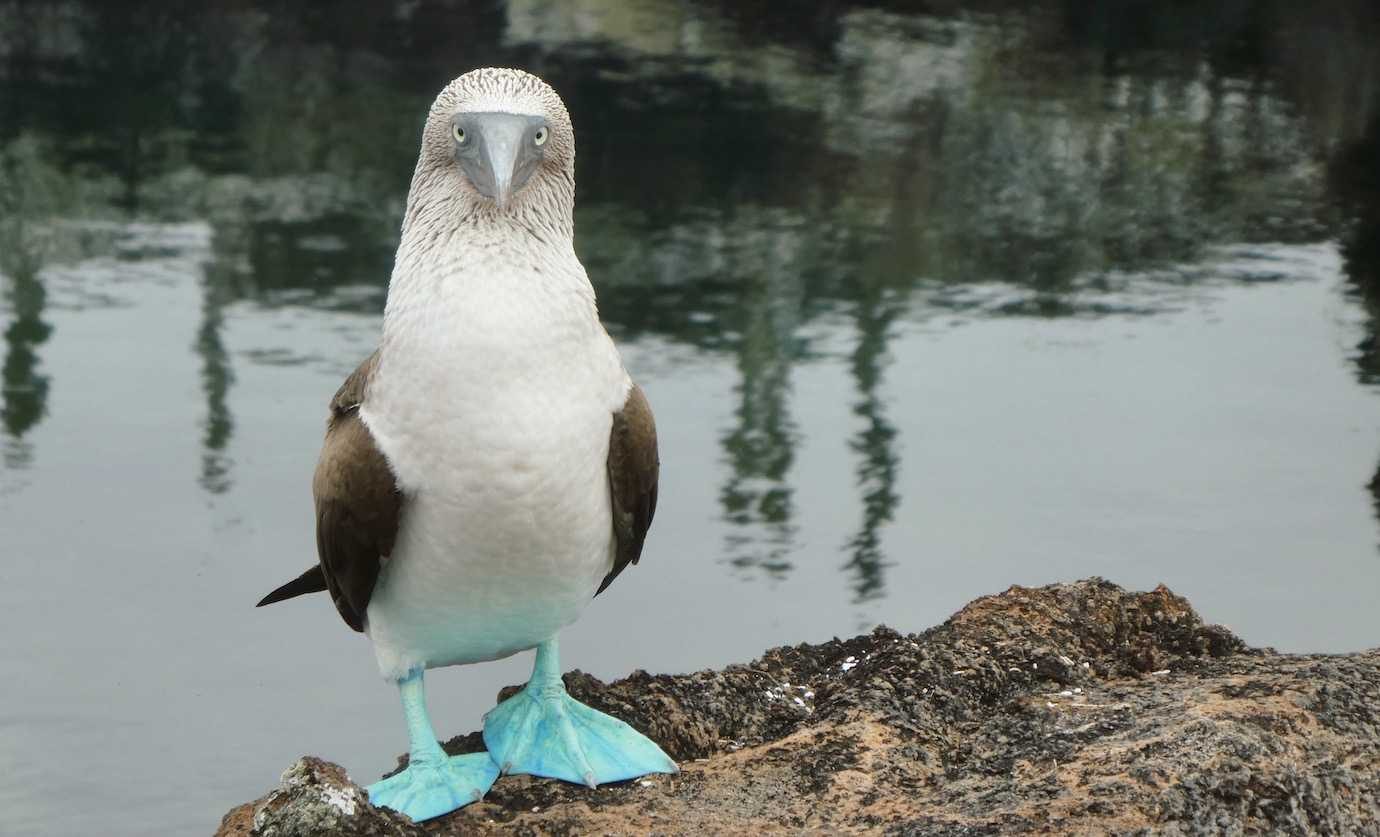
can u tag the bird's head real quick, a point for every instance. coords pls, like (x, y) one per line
(500, 141)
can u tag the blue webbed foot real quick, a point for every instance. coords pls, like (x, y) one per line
(429, 787)
(433, 783)
(543, 731)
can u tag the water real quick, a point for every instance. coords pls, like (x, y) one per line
(927, 304)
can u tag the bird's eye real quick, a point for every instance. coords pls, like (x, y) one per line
(458, 133)
(540, 136)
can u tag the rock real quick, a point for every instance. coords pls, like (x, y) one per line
(1075, 708)
(315, 797)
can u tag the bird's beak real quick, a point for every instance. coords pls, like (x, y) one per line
(501, 146)
(504, 156)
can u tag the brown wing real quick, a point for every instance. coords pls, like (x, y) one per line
(357, 501)
(357, 508)
(633, 468)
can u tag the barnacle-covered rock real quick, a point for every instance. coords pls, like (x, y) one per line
(1073, 708)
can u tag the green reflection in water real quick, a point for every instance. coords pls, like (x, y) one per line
(25, 387)
(760, 447)
(216, 377)
(875, 444)
(1355, 175)
(738, 176)
(29, 190)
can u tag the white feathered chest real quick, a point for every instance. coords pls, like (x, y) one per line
(492, 402)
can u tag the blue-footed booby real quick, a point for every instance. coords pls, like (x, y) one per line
(491, 467)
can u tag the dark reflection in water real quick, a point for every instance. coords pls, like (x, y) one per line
(216, 378)
(744, 168)
(875, 445)
(1355, 178)
(24, 387)
(761, 446)
(130, 110)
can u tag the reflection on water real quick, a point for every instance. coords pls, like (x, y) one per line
(1355, 175)
(24, 193)
(760, 446)
(736, 178)
(25, 386)
(878, 461)
(216, 378)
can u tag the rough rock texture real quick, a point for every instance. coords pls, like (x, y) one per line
(316, 797)
(1077, 708)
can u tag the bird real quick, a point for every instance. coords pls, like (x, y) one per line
(491, 467)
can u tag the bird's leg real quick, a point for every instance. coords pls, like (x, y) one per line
(543, 731)
(433, 783)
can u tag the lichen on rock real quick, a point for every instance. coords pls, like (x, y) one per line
(315, 797)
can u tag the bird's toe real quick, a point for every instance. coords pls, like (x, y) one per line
(426, 791)
(560, 738)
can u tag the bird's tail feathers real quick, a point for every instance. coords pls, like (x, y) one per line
(311, 581)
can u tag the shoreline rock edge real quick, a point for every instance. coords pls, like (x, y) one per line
(1071, 708)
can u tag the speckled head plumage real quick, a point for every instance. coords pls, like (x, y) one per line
(498, 143)
(503, 90)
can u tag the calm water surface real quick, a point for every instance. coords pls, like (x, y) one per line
(930, 298)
